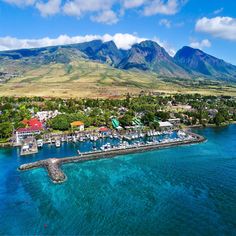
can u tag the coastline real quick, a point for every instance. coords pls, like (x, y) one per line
(53, 165)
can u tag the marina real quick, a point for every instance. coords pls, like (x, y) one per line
(52, 165)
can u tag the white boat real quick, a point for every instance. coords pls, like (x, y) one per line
(58, 143)
(106, 147)
(63, 139)
(40, 143)
(181, 133)
(74, 139)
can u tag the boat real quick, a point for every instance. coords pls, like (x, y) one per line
(106, 147)
(74, 139)
(40, 143)
(58, 143)
(63, 139)
(181, 133)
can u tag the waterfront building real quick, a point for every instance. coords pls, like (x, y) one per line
(79, 125)
(23, 133)
(166, 125)
(103, 130)
(33, 123)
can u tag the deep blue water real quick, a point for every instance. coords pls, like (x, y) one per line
(188, 190)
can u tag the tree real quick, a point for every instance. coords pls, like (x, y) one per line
(126, 120)
(148, 118)
(219, 119)
(6, 129)
(60, 122)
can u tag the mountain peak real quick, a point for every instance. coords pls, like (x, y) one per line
(202, 63)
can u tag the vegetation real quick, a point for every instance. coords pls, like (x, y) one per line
(192, 109)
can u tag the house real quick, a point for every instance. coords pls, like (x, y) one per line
(104, 130)
(32, 127)
(166, 125)
(79, 125)
(32, 123)
(23, 133)
(174, 121)
(46, 115)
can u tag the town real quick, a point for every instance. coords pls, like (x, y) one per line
(32, 122)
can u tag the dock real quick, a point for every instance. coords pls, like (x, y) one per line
(52, 165)
(29, 147)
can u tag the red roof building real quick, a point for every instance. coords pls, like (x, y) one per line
(33, 123)
(103, 129)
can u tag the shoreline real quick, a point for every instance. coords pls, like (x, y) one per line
(9, 144)
(53, 165)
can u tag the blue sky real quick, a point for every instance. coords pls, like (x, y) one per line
(206, 24)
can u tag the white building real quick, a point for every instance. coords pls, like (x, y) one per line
(46, 115)
(22, 133)
(166, 125)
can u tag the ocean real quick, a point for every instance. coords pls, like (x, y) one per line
(186, 190)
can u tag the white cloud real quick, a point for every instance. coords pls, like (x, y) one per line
(205, 43)
(20, 3)
(218, 11)
(133, 3)
(51, 7)
(123, 41)
(221, 27)
(169, 7)
(103, 11)
(165, 22)
(107, 17)
(79, 7)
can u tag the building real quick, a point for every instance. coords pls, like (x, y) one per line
(104, 130)
(79, 125)
(166, 125)
(32, 127)
(23, 133)
(175, 121)
(46, 115)
(32, 123)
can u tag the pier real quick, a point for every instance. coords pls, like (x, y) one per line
(29, 147)
(53, 165)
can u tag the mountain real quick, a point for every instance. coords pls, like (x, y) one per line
(105, 52)
(148, 55)
(204, 64)
(188, 63)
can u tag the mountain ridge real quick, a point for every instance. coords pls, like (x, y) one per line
(145, 56)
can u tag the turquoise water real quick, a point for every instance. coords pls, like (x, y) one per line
(188, 190)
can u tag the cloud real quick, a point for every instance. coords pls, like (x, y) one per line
(170, 7)
(220, 27)
(123, 41)
(205, 43)
(51, 7)
(165, 22)
(80, 7)
(102, 11)
(133, 3)
(20, 3)
(218, 11)
(108, 17)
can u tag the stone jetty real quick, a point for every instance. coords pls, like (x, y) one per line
(52, 165)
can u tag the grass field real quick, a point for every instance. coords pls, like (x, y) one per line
(91, 79)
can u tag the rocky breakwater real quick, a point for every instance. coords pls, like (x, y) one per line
(52, 166)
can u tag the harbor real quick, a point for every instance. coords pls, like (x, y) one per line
(53, 165)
